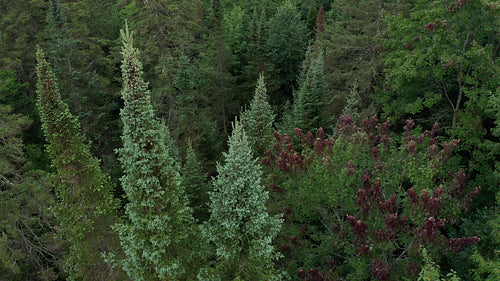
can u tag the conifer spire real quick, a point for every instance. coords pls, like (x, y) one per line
(194, 178)
(86, 209)
(240, 227)
(258, 120)
(155, 237)
(309, 101)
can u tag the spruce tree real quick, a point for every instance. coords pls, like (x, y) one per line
(155, 237)
(86, 209)
(258, 120)
(286, 45)
(240, 227)
(310, 99)
(194, 178)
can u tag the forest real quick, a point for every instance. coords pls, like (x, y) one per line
(221, 140)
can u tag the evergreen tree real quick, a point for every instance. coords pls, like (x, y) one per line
(349, 34)
(27, 250)
(86, 208)
(155, 237)
(286, 46)
(85, 71)
(258, 120)
(192, 124)
(165, 30)
(352, 102)
(310, 99)
(240, 227)
(256, 57)
(194, 178)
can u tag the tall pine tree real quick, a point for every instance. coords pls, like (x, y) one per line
(155, 237)
(86, 209)
(240, 227)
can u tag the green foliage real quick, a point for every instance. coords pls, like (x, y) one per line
(165, 30)
(86, 208)
(441, 67)
(11, 151)
(202, 59)
(258, 120)
(194, 179)
(361, 203)
(240, 228)
(311, 97)
(28, 248)
(27, 251)
(441, 62)
(430, 270)
(351, 107)
(193, 123)
(156, 236)
(489, 268)
(232, 26)
(286, 45)
(353, 54)
(79, 37)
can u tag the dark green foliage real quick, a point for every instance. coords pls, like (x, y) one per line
(27, 250)
(239, 227)
(353, 54)
(192, 122)
(311, 98)
(489, 263)
(258, 120)
(442, 61)
(194, 179)
(82, 55)
(86, 209)
(286, 46)
(165, 30)
(156, 238)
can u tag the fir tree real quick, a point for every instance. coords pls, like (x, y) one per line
(258, 120)
(286, 45)
(154, 238)
(309, 102)
(240, 227)
(86, 208)
(352, 102)
(194, 178)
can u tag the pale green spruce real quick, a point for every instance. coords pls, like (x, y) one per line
(240, 229)
(156, 237)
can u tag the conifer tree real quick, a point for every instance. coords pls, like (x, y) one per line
(86, 209)
(194, 178)
(258, 120)
(310, 99)
(240, 227)
(154, 238)
(286, 45)
(190, 108)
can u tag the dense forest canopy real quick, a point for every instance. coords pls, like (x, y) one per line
(305, 140)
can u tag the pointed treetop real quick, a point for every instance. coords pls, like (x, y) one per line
(127, 40)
